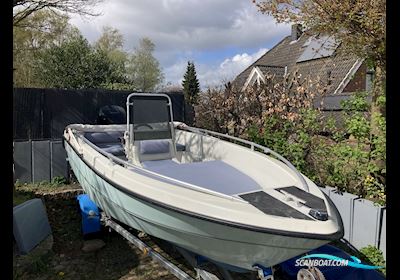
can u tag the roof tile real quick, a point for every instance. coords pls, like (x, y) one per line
(286, 53)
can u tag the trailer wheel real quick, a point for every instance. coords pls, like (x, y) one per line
(312, 273)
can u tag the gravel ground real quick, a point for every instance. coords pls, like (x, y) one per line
(61, 257)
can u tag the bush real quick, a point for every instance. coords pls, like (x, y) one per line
(233, 111)
(329, 153)
(374, 256)
(59, 180)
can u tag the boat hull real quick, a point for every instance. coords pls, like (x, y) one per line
(223, 243)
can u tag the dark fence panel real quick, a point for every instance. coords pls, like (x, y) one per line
(42, 160)
(41, 163)
(28, 114)
(44, 113)
(23, 161)
(59, 166)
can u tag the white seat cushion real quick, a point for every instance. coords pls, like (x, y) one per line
(153, 147)
(160, 149)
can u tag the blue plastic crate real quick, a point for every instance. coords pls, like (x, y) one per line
(90, 214)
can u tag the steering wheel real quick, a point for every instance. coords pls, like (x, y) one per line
(142, 125)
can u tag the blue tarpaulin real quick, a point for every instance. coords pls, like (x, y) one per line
(333, 272)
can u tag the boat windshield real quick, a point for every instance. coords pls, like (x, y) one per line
(150, 117)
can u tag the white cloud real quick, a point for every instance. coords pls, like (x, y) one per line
(174, 73)
(214, 75)
(233, 66)
(185, 30)
(178, 26)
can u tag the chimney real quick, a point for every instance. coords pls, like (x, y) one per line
(296, 31)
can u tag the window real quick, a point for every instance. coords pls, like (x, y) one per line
(369, 79)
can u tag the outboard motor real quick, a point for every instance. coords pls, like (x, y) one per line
(111, 114)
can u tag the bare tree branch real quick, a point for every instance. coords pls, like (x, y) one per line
(24, 8)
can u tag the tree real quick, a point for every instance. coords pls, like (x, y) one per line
(191, 87)
(144, 71)
(110, 40)
(360, 26)
(111, 43)
(73, 65)
(22, 9)
(42, 30)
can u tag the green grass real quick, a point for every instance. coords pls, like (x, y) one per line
(21, 197)
(27, 191)
(42, 186)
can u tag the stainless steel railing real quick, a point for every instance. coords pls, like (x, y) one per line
(124, 163)
(252, 147)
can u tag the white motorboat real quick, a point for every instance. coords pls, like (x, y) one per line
(229, 200)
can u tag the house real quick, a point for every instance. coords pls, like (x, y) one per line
(311, 55)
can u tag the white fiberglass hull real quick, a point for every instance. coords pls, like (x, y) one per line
(226, 243)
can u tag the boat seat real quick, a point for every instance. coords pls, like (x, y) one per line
(155, 149)
(109, 141)
(214, 175)
(104, 137)
(113, 148)
(180, 147)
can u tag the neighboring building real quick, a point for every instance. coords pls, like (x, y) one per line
(314, 56)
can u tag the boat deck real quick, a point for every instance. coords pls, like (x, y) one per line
(214, 175)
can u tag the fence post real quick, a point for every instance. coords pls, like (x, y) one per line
(382, 233)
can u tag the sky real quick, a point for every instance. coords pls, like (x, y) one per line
(221, 37)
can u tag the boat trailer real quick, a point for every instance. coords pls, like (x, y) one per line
(191, 258)
(93, 218)
(146, 249)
